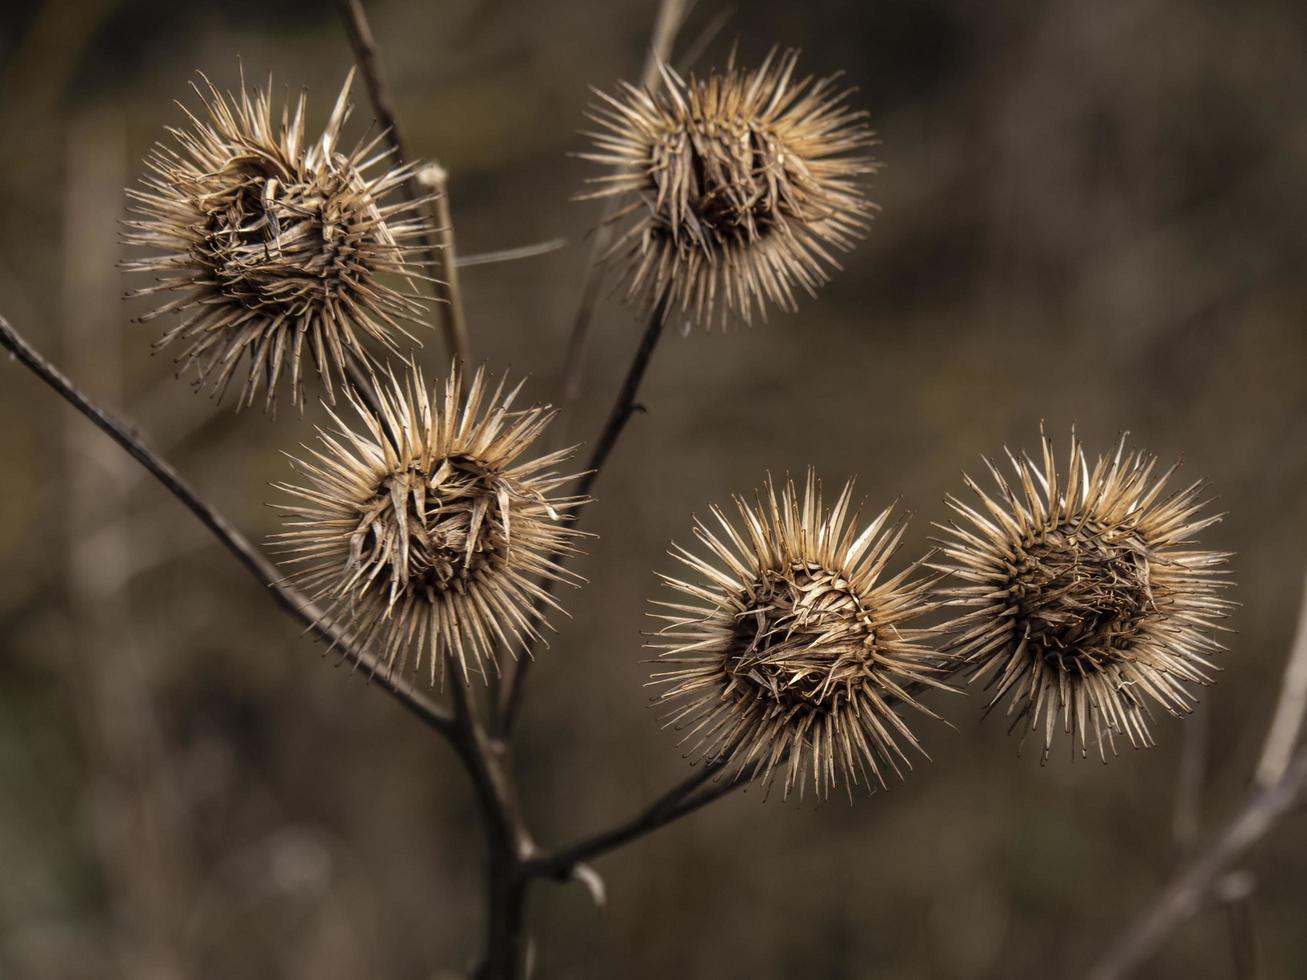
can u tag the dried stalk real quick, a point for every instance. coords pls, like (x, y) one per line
(666, 24)
(510, 254)
(510, 693)
(1291, 710)
(1186, 821)
(441, 249)
(1280, 787)
(137, 818)
(508, 842)
(288, 598)
(488, 761)
(681, 800)
(1191, 887)
(512, 857)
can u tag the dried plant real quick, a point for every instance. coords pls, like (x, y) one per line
(280, 247)
(425, 534)
(737, 188)
(791, 657)
(1085, 594)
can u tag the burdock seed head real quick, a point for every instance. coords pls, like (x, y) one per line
(788, 656)
(277, 247)
(734, 189)
(1084, 593)
(424, 534)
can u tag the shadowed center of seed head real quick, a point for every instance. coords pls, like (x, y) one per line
(803, 638)
(717, 183)
(427, 531)
(280, 243)
(1080, 596)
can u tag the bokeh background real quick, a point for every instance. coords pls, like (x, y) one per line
(1092, 213)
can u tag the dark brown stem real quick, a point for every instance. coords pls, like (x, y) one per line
(671, 806)
(287, 597)
(667, 23)
(623, 409)
(626, 404)
(440, 248)
(508, 944)
(508, 842)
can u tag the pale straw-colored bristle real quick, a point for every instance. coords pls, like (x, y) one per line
(282, 256)
(1083, 597)
(734, 190)
(425, 534)
(787, 653)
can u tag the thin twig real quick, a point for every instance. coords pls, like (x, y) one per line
(1291, 709)
(671, 806)
(666, 24)
(1186, 830)
(1191, 887)
(435, 179)
(1186, 818)
(1202, 876)
(440, 249)
(510, 254)
(626, 405)
(695, 49)
(510, 692)
(287, 597)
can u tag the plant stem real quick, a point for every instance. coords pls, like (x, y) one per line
(1279, 786)
(677, 803)
(510, 699)
(507, 943)
(1291, 710)
(666, 24)
(440, 248)
(508, 842)
(1185, 894)
(287, 597)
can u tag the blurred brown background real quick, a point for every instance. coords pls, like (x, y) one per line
(1091, 212)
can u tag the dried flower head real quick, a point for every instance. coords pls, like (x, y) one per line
(736, 188)
(278, 248)
(791, 656)
(1085, 596)
(424, 535)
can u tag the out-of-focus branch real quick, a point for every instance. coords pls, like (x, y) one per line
(287, 597)
(1186, 820)
(1279, 786)
(510, 254)
(1286, 726)
(666, 24)
(1194, 884)
(441, 248)
(137, 815)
